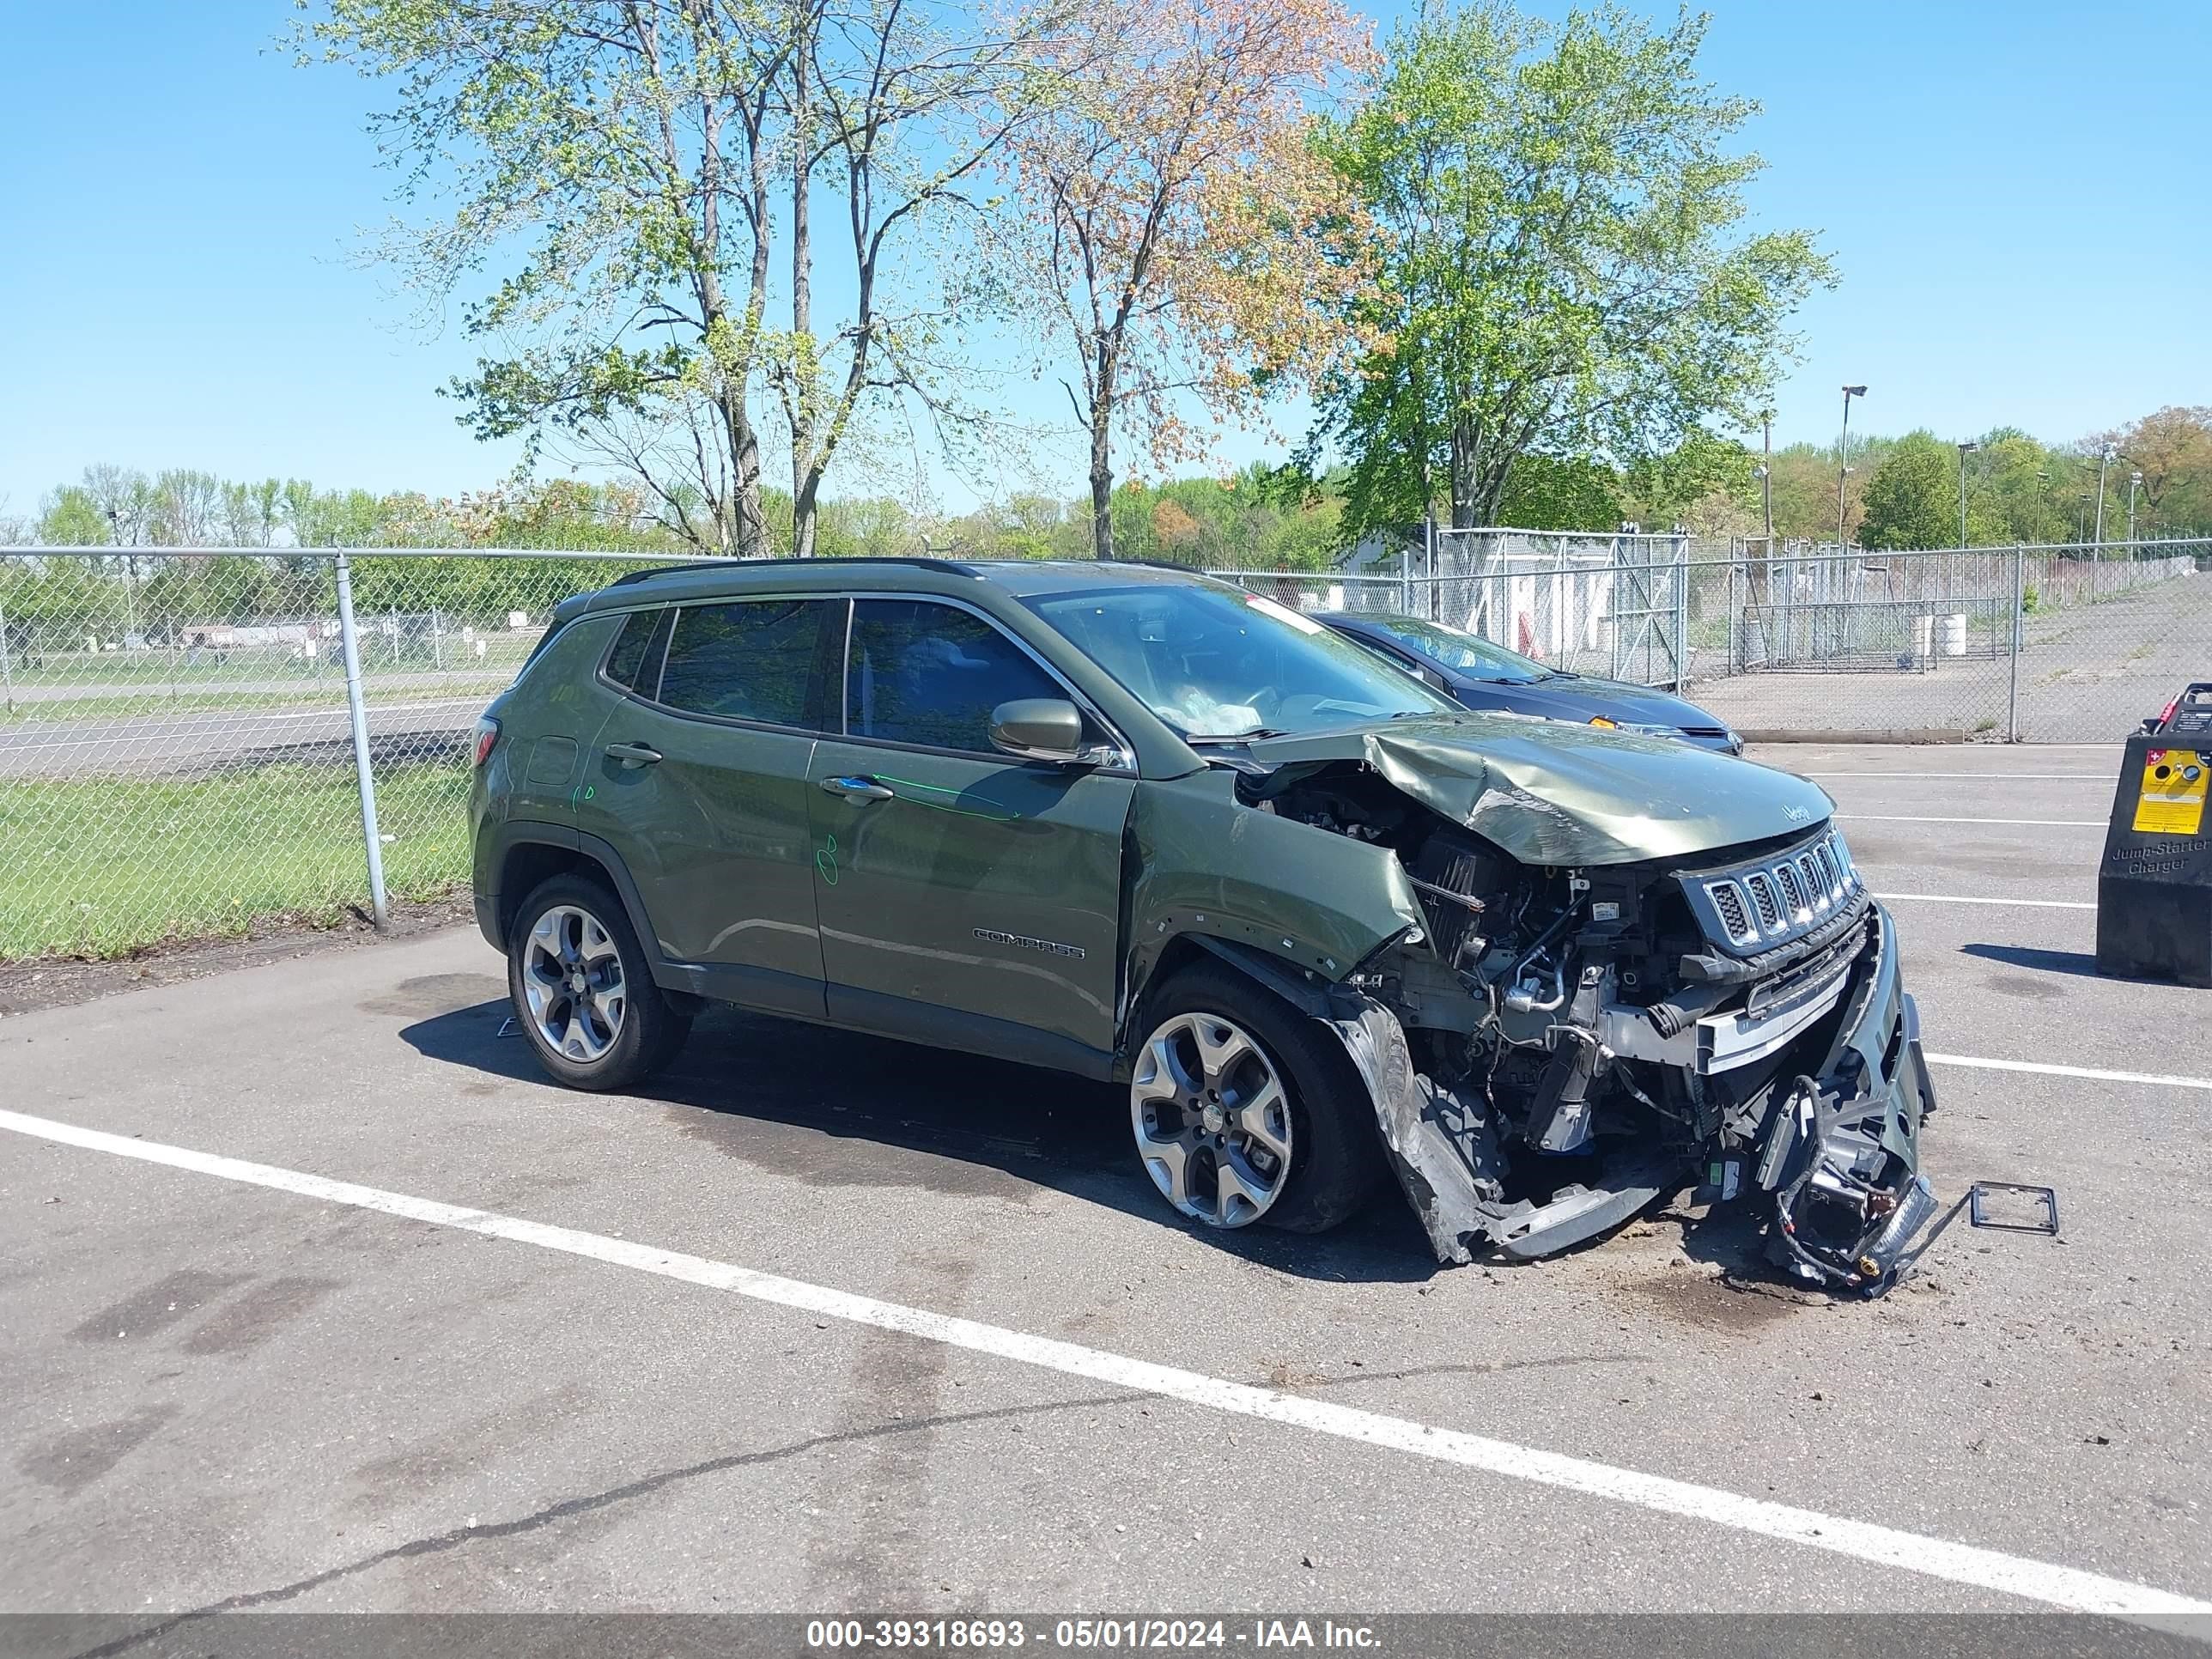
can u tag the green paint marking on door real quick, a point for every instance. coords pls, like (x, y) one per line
(825, 860)
(942, 807)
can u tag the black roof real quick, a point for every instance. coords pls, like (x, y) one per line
(948, 565)
(1023, 578)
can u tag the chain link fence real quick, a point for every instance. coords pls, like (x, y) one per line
(179, 755)
(178, 751)
(2031, 644)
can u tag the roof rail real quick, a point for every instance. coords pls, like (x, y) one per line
(1163, 564)
(927, 563)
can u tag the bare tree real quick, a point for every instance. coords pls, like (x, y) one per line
(895, 109)
(617, 158)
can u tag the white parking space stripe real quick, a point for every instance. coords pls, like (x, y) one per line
(1975, 777)
(1935, 1558)
(2088, 1072)
(1954, 898)
(2039, 824)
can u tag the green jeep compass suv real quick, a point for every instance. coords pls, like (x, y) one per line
(1132, 823)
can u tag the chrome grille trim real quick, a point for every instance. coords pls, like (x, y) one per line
(1794, 903)
(1728, 899)
(1760, 885)
(1766, 901)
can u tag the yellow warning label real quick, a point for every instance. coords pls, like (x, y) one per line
(2172, 802)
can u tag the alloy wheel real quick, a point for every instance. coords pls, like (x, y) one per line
(1212, 1120)
(572, 975)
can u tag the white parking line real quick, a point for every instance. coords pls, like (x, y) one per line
(1975, 777)
(1935, 1558)
(2040, 823)
(1953, 898)
(2090, 1072)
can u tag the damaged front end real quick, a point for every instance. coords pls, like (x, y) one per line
(1563, 1043)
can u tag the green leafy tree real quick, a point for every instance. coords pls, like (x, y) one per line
(1562, 492)
(2014, 486)
(1664, 490)
(69, 517)
(1567, 275)
(1912, 500)
(2172, 448)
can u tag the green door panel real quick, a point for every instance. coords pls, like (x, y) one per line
(987, 887)
(715, 834)
(1207, 864)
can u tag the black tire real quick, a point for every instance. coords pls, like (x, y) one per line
(1336, 1160)
(650, 1032)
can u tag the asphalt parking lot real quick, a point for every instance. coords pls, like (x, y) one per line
(530, 1355)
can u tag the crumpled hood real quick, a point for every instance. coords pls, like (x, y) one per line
(1550, 793)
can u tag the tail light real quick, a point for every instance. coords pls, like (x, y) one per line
(487, 737)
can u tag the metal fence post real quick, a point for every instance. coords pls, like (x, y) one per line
(1405, 579)
(7, 672)
(364, 775)
(2019, 599)
(1681, 613)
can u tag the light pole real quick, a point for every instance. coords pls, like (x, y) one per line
(2103, 459)
(2135, 483)
(1766, 477)
(1842, 459)
(1965, 450)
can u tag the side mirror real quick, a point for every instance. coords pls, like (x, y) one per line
(1040, 729)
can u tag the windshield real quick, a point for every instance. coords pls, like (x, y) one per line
(1459, 650)
(1215, 662)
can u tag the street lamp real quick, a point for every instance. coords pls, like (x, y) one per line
(1843, 459)
(2135, 483)
(1767, 477)
(2104, 453)
(1965, 450)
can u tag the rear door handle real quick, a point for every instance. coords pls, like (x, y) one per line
(633, 754)
(858, 789)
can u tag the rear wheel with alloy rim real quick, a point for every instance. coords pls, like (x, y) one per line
(1245, 1110)
(572, 978)
(582, 991)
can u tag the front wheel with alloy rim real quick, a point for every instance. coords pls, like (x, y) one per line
(1244, 1110)
(582, 991)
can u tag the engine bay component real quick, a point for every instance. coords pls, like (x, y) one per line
(1564, 1045)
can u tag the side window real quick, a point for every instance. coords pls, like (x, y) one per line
(638, 649)
(921, 672)
(754, 660)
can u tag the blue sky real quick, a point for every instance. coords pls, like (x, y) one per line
(2015, 194)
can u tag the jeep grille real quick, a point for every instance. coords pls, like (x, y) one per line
(1765, 902)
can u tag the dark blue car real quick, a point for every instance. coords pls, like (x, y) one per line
(1479, 674)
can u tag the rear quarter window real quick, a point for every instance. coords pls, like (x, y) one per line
(634, 662)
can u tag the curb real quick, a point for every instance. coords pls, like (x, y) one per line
(1903, 734)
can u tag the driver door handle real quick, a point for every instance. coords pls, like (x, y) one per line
(862, 789)
(633, 754)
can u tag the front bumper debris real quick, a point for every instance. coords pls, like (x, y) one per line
(1838, 1152)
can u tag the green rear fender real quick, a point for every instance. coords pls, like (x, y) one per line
(1206, 866)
